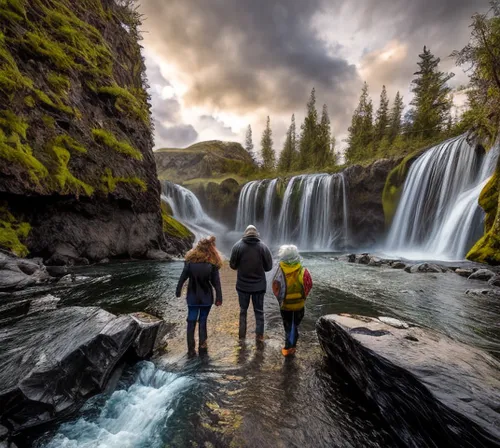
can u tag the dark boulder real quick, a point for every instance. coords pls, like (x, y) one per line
(351, 258)
(425, 268)
(484, 292)
(52, 361)
(57, 271)
(430, 390)
(18, 273)
(494, 281)
(363, 258)
(482, 274)
(398, 265)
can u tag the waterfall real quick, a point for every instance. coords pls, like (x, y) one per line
(312, 212)
(187, 209)
(439, 214)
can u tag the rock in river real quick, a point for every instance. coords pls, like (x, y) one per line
(430, 390)
(482, 274)
(52, 361)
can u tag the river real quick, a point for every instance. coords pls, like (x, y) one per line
(241, 395)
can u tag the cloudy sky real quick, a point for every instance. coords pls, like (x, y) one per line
(216, 66)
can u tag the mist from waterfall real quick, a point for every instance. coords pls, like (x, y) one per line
(187, 209)
(311, 211)
(438, 214)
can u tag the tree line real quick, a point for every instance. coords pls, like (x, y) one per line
(390, 131)
(311, 148)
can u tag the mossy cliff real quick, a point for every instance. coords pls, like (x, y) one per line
(487, 249)
(77, 172)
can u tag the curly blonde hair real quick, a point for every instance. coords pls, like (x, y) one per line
(205, 252)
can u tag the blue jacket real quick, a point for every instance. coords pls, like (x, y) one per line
(203, 278)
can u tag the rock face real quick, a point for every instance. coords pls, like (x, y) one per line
(430, 390)
(54, 360)
(366, 212)
(78, 178)
(482, 274)
(18, 273)
(203, 160)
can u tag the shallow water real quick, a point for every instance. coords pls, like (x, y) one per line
(243, 395)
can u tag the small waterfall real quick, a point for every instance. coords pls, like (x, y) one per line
(135, 416)
(311, 214)
(438, 213)
(187, 208)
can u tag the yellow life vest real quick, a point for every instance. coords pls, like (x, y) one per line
(295, 297)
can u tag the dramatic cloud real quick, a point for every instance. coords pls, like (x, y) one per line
(177, 136)
(219, 65)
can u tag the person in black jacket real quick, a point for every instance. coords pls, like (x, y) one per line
(201, 268)
(252, 258)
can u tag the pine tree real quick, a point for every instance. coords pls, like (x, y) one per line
(333, 152)
(361, 129)
(309, 133)
(322, 147)
(395, 117)
(249, 143)
(431, 97)
(268, 156)
(382, 119)
(288, 156)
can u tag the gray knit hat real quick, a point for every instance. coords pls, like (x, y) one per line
(251, 231)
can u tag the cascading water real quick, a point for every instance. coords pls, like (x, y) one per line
(187, 208)
(312, 213)
(135, 416)
(438, 214)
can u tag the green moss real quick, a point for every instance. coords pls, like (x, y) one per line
(174, 228)
(54, 102)
(14, 149)
(49, 121)
(108, 139)
(110, 182)
(13, 232)
(127, 102)
(38, 43)
(59, 83)
(66, 182)
(12, 11)
(488, 200)
(29, 101)
(394, 185)
(11, 79)
(69, 143)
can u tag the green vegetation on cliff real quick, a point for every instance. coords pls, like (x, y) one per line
(172, 227)
(13, 232)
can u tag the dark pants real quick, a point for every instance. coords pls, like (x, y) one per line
(258, 309)
(200, 314)
(291, 322)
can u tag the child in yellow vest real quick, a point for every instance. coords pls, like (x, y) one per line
(291, 286)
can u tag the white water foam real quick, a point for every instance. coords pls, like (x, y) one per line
(131, 418)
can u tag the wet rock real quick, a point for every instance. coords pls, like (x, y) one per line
(484, 292)
(53, 361)
(482, 274)
(425, 268)
(351, 258)
(104, 261)
(374, 261)
(391, 321)
(17, 273)
(46, 303)
(494, 281)
(158, 255)
(363, 259)
(464, 272)
(57, 271)
(398, 265)
(430, 390)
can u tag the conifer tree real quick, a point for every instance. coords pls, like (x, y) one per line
(268, 156)
(361, 129)
(382, 118)
(288, 156)
(249, 143)
(322, 147)
(395, 117)
(309, 133)
(431, 97)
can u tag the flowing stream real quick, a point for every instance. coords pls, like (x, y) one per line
(311, 212)
(438, 215)
(240, 395)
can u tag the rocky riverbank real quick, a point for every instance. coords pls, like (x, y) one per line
(430, 390)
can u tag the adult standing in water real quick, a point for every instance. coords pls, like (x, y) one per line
(252, 259)
(201, 268)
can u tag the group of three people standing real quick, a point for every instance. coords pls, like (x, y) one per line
(252, 259)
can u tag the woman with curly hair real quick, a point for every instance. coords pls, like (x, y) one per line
(201, 268)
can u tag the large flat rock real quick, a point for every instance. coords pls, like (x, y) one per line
(52, 361)
(431, 390)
